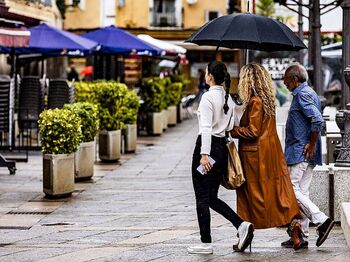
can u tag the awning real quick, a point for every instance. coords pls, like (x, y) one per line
(168, 47)
(14, 37)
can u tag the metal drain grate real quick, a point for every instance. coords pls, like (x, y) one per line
(29, 212)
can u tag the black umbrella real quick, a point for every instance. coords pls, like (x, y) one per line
(247, 31)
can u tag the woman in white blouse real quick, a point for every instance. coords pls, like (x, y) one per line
(215, 117)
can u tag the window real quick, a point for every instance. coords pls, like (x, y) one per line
(164, 13)
(121, 3)
(211, 14)
(108, 9)
(82, 4)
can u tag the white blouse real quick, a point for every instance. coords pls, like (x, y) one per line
(211, 117)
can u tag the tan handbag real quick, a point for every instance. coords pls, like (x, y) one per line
(235, 177)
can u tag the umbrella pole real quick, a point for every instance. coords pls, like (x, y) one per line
(42, 67)
(11, 112)
(216, 53)
(246, 51)
(246, 56)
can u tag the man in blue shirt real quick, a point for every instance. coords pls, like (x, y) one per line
(303, 150)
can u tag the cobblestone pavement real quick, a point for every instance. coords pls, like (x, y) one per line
(141, 209)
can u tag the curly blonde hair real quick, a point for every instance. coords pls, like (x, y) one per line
(255, 79)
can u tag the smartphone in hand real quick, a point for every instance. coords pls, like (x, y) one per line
(201, 169)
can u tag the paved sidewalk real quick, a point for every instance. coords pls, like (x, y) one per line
(140, 210)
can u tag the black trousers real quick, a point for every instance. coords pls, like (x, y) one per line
(206, 187)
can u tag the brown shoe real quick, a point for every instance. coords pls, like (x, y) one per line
(289, 244)
(297, 236)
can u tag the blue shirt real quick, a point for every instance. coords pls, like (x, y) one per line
(304, 116)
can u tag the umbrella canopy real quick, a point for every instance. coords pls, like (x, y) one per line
(48, 40)
(167, 63)
(168, 47)
(247, 31)
(114, 40)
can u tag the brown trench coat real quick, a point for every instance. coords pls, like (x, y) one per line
(267, 197)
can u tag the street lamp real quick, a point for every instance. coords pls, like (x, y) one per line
(346, 50)
(343, 158)
(315, 11)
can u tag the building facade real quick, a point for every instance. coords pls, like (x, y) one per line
(169, 20)
(31, 12)
(166, 15)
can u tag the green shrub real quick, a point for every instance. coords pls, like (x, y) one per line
(181, 79)
(117, 105)
(174, 93)
(84, 91)
(108, 100)
(153, 93)
(129, 107)
(60, 131)
(88, 114)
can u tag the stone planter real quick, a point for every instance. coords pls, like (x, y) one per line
(58, 175)
(109, 145)
(130, 138)
(184, 113)
(155, 123)
(172, 116)
(84, 160)
(165, 118)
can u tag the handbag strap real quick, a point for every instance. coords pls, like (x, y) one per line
(227, 133)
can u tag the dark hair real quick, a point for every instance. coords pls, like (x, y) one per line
(219, 71)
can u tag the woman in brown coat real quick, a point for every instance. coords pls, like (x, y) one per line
(267, 198)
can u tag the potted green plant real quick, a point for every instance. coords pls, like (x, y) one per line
(84, 91)
(85, 155)
(153, 95)
(174, 92)
(60, 136)
(127, 113)
(180, 111)
(166, 83)
(109, 99)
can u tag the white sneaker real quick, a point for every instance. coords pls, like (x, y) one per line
(245, 233)
(204, 248)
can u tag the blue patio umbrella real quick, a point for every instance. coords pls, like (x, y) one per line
(117, 41)
(49, 40)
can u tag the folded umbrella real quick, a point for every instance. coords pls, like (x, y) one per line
(167, 63)
(247, 31)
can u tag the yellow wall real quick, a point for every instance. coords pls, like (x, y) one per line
(87, 19)
(194, 15)
(135, 14)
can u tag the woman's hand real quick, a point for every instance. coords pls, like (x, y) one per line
(205, 163)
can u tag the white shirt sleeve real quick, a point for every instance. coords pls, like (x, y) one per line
(239, 110)
(205, 111)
